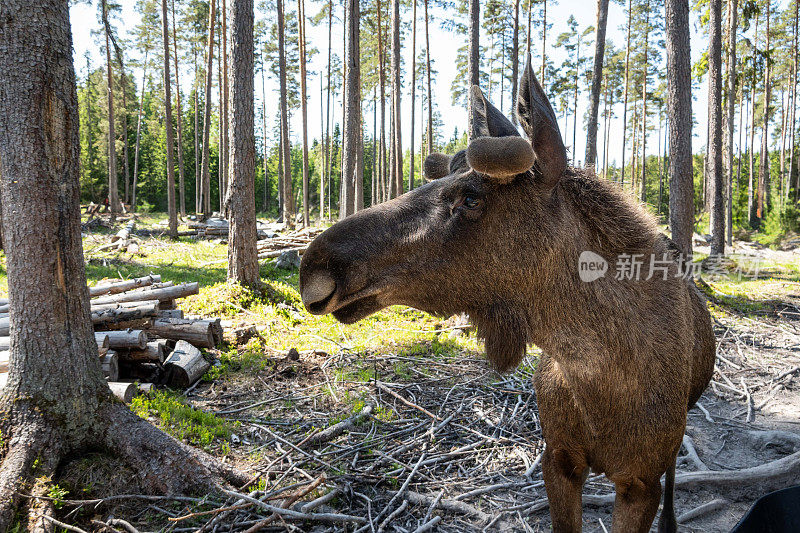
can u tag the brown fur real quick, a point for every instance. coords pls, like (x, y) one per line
(622, 361)
(436, 166)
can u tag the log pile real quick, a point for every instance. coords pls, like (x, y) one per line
(142, 339)
(216, 227)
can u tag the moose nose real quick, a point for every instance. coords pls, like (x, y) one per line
(318, 288)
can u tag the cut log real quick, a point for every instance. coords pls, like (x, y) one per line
(153, 352)
(110, 363)
(123, 391)
(116, 287)
(134, 339)
(4, 326)
(185, 365)
(277, 253)
(109, 314)
(4, 308)
(170, 313)
(102, 340)
(5, 343)
(201, 333)
(141, 372)
(161, 294)
(4, 357)
(124, 233)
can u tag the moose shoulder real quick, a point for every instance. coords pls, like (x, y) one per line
(507, 233)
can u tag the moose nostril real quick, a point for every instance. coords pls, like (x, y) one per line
(319, 287)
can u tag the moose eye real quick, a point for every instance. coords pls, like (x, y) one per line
(472, 202)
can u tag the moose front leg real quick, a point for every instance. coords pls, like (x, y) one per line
(564, 474)
(636, 503)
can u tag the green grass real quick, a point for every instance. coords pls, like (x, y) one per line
(182, 421)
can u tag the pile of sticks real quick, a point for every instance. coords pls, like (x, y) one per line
(141, 337)
(295, 241)
(217, 228)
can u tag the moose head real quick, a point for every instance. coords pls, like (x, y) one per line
(470, 240)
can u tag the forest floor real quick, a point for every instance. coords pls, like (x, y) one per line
(424, 432)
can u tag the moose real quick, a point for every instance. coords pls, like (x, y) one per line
(497, 233)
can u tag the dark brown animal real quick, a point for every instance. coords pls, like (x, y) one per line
(499, 237)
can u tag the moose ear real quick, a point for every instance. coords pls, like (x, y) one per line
(436, 166)
(485, 119)
(537, 118)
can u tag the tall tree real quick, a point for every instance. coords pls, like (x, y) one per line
(301, 32)
(762, 193)
(172, 212)
(730, 111)
(327, 140)
(715, 128)
(397, 88)
(793, 120)
(515, 60)
(679, 114)
(240, 199)
(597, 80)
(286, 170)
(44, 421)
(473, 65)
(181, 191)
(625, 94)
(413, 89)
(352, 117)
(428, 75)
(224, 103)
(113, 189)
(205, 188)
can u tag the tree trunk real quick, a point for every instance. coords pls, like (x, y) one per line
(125, 167)
(328, 112)
(205, 200)
(197, 178)
(730, 102)
(181, 192)
(43, 420)
(138, 135)
(643, 177)
(382, 82)
(240, 202)
(515, 63)
(792, 150)
(679, 113)
(172, 213)
(763, 200)
(597, 80)
(397, 89)
(751, 101)
(352, 118)
(113, 189)
(715, 128)
(625, 94)
(264, 133)
(286, 171)
(428, 74)
(473, 65)
(544, 40)
(224, 106)
(413, 90)
(301, 25)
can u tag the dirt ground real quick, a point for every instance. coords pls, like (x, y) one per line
(399, 424)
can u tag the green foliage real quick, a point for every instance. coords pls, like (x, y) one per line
(58, 494)
(181, 420)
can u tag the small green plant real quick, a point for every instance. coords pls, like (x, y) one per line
(181, 420)
(58, 494)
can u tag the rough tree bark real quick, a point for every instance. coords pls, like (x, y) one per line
(352, 117)
(181, 192)
(762, 193)
(44, 420)
(286, 170)
(138, 134)
(730, 103)
(643, 175)
(240, 202)
(590, 158)
(413, 90)
(679, 114)
(382, 82)
(625, 94)
(428, 75)
(113, 189)
(205, 189)
(715, 128)
(327, 141)
(172, 212)
(224, 103)
(397, 89)
(301, 26)
(474, 65)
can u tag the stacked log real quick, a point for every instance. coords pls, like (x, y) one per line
(141, 338)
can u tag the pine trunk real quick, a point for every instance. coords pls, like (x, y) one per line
(205, 200)
(763, 200)
(428, 74)
(730, 103)
(679, 113)
(413, 90)
(172, 212)
(625, 94)
(352, 119)
(597, 80)
(716, 176)
(179, 108)
(301, 26)
(138, 135)
(396, 97)
(473, 65)
(113, 189)
(240, 199)
(286, 171)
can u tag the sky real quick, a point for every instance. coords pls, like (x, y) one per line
(444, 47)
